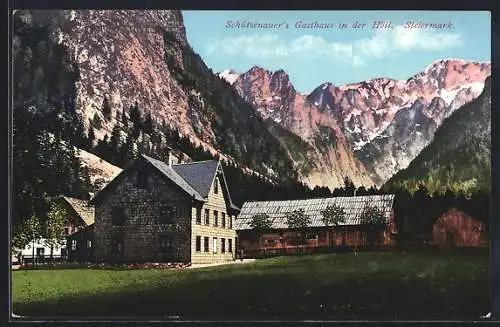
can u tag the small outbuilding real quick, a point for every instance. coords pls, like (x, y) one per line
(455, 228)
(81, 245)
(79, 232)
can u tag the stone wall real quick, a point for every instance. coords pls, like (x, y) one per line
(142, 229)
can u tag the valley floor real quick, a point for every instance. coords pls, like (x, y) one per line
(390, 285)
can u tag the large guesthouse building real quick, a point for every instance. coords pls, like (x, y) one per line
(155, 211)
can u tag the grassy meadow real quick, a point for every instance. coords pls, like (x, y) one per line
(391, 285)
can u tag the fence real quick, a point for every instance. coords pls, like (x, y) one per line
(34, 260)
(265, 252)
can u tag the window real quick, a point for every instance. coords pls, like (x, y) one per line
(206, 244)
(230, 221)
(142, 178)
(215, 245)
(198, 243)
(89, 244)
(166, 214)
(73, 245)
(198, 215)
(117, 216)
(40, 252)
(216, 186)
(223, 245)
(66, 231)
(216, 218)
(117, 244)
(165, 243)
(207, 218)
(229, 245)
(223, 218)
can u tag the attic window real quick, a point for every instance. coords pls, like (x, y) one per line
(216, 186)
(142, 178)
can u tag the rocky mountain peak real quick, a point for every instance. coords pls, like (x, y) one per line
(365, 111)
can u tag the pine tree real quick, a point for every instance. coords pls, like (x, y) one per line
(349, 187)
(102, 149)
(136, 119)
(148, 124)
(96, 122)
(114, 144)
(90, 138)
(106, 109)
(79, 139)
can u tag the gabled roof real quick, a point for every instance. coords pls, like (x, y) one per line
(160, 166)
(353, 207)
(200, 175)
(82, 208)
(169, 172)
(194, 178)
(80, 231)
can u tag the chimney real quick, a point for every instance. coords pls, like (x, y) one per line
(169, 155)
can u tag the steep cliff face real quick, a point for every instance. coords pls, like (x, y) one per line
(385, 122)
(129, 57)
(120, 55)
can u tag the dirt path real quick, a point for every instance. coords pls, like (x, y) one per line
(219, 264)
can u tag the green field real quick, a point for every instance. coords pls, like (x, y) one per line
(424, 285)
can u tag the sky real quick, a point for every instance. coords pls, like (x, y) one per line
(314, 54)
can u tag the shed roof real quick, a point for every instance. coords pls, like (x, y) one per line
(276, 210)
(82, 208)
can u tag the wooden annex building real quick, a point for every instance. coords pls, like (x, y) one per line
(281, 239)
(455, 228)
(81, 219)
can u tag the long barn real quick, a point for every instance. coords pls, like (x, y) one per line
(317, 234)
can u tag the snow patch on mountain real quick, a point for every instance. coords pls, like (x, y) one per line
(229, 75)
(449, 95)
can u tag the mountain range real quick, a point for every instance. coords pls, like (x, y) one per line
(382, 123)
(366, 131)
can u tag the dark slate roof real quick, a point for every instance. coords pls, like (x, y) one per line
(353, 207)
(200, 175)
(169, 172)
